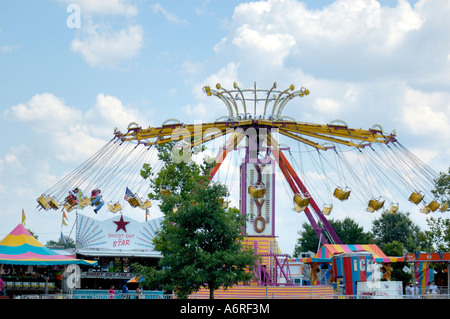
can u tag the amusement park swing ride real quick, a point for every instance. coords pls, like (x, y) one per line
(370, 166)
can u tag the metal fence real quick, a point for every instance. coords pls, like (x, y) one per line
(272, 296)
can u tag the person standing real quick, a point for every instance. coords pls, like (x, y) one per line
(125, 291)
(408, 291)
(139, 293)
(433, 289)
(112, 293)
(2, 292)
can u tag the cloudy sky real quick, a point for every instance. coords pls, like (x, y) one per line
(73, 70)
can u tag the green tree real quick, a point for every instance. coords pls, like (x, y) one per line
(200, 238)
(442, 187)
(347, 230)
(439, 228)
(67, 242)
(400, 228)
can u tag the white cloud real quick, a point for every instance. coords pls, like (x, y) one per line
(170, 17)
(273, 46)
(427, 113)
(66, 132)
(108, 7)
(112, 113)
(348, 39)
(47, 110)
(100, 46)
(328, 106)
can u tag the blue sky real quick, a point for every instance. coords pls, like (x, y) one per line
(63, 90)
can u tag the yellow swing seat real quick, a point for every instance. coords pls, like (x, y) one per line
(44, 202)
(433, 206)
(223, 202)
(164, 190)
(53, 203)
(257, 191)
(443, 207)
(85, 201)
(374, 205)
(327, 210)
(135, 201)
(146, 205)
(298, 209)
(68, 207)
(416, 197)
(341, 194)
(425, 210)
(393, 209)
(300, 203)
(114, 208)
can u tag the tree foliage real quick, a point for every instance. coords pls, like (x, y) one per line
(398, 227)
(347, 230)
(439, 227)
(442, 187)
(67, 242)
(200, 238)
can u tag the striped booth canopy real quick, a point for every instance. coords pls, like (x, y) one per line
(19, 247)
(326, 252)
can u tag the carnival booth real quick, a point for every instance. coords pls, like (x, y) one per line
(28, 267)
(115, 243)
(422, 272)
(321, 267)
(352, 267)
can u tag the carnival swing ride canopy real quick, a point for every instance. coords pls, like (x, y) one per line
(367, 166)
(19, 247)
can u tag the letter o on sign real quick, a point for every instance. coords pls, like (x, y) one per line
(262, 222)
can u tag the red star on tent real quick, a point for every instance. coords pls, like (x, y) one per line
(121, 224)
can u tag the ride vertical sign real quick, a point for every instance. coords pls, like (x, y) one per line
(257, 197)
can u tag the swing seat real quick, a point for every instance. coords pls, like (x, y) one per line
(433, 206)
(416, 197)
(443, 207)
(85, 201)
(175, 208)
(341, 194)
(43, 202)
(425, 210)
(53, 203)
(301, 202)
(114, 208)
(374, 205)
(68, 207)
(257, 191)
(327, 210)
(146, 205)
(71, 201)
(135, 202)
(223, 202)
(164, 190)
(298, 209)
(393, 209)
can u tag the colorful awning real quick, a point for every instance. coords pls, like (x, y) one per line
(328, 250)
(19, 247)
(438, 256)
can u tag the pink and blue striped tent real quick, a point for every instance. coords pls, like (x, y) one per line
(19, 247)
